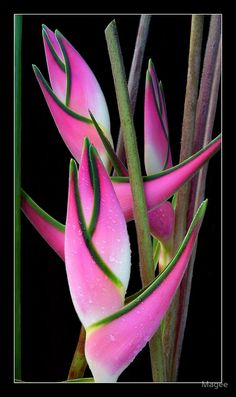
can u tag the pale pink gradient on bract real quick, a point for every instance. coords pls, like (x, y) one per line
(160, 99)
(111, 237)
(157, 154)
(85, 187)
(155, 140)
(93, 294)
(160, 189)
(85, 91)
(54, 237)
(161, 221)
(56, 74)
(111, 347)
(73, 130)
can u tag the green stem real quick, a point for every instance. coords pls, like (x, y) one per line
(213, 45)
(79, 362)
(136, 182)
(187, 137)
(135, 73)
(157, 357)
(131, 150)
(17, 190)
(204, 97)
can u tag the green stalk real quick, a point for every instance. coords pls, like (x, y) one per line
(182, 202)
(131, 150)
(136, 182)
(187, 137)
(209, 88)
(79, 362)
(17, 191)
(203, 106)
(134, 74)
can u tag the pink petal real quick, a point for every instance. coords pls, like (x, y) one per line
(111, 237)
(162, 221)
(164, 110)
(72, 127)
(50, 230)
(156, 143)
(113, 343)
(158, 188)
(56, 67)
(84, 92)
(95, 286)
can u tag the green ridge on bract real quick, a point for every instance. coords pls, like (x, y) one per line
(59, 103)
(53, 52)
(85, 232)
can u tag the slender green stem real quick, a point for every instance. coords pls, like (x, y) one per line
(17, 190)
(201, 182)
(200, 185)
(188, 125)
(135, 73)
(131, 149)
(204, 97)
(79, 362)
(157, 357)
(190, 106)
(136, 182)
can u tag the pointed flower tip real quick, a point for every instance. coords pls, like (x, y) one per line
(73, 167)
(86, 142)
(58, 34)
(36, 71)
(150, 64)
(202, 208)
(44, 27)
(44, 30)
(93, 152)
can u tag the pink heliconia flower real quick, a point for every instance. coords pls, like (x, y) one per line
(97, 249)
(157, 155)
(74, 91)
(158, 188)
(113, 342)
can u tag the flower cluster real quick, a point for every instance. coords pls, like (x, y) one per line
(94, 242)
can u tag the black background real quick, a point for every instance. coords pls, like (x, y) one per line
(50, 326)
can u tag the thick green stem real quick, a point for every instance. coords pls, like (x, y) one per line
(132, 155)
(185, 288)
(17, 190)
(136, 182)
(135, 73)
(79, 362)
